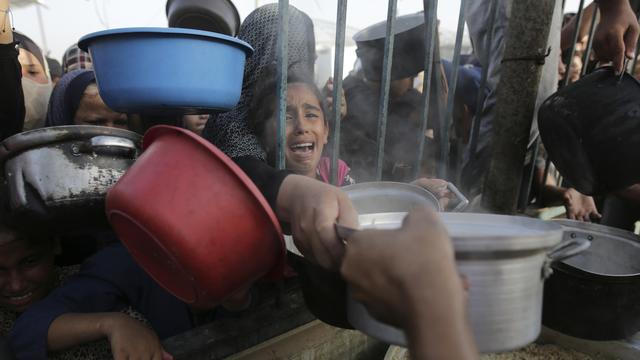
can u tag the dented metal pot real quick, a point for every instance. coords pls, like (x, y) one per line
(506, 260)
(58, 176)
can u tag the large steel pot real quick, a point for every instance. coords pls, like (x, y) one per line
(506, 260)
(59, 176)
(595, 295)
(324, 291)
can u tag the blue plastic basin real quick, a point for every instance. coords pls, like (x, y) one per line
(148, 70)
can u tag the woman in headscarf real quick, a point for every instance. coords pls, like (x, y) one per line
(230, 131)
(309, 206)
(76, 101)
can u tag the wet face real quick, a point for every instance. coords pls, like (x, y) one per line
(306, 132)
(31, 67)
(195, 123)
(93, 111)
(26, 271)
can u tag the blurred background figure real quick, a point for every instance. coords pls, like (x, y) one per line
(36, 83)
(75, 58)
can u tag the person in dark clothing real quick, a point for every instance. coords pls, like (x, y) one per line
(359, 141)
(12, 109)
(89, 307)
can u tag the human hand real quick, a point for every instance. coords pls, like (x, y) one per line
(130, 339)
(400, 273)
(327, 90)
(616, 34)
(437, 187)
(312, 208)
(580, 207)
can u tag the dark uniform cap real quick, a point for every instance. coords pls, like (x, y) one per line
(408, 50)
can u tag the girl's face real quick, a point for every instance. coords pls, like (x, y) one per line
(306, 131)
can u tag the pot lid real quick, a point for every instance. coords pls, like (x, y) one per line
(613, 252)
(18, 143)
(483, 232)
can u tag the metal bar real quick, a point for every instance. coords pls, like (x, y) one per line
(430, 8)
(528, 30)
(576, 32)
(45, 47)
(443, 164)
(526, 192)
(587, 51)
(282, 60)
(475, 132)
(385, 85)
(338, 64)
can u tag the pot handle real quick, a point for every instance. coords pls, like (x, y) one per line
(564, 250)
(463, 202)
(567, 249)
(108, 145)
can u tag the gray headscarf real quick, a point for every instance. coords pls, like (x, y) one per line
(231, 131)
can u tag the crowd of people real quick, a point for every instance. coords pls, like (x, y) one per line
(102, 304)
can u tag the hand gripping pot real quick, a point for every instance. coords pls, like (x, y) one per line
(193, 220)
(58, 177)
(160, 70)
(505, 259)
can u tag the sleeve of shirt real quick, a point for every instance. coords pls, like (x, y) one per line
(266, 178)
(100, 286)
(11, 98)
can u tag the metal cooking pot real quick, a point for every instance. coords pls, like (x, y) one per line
(58, 176)
(389, 196)
(591, 130)
(506, 260)
(324, 291)
(595, 295)
(219, 16)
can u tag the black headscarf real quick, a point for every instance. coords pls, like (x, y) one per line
(231, 131)
(66, 97)
(26, 43)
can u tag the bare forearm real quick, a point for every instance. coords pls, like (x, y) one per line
(439, 327)
(72, 329)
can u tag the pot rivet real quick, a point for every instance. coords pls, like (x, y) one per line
(573, 235)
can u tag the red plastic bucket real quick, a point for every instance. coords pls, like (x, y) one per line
(193, 220)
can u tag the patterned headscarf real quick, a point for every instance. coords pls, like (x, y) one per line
(231, 131)
(75, 58)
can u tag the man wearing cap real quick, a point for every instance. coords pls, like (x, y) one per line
(359, 141)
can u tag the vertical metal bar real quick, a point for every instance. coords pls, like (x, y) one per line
(475, 132)
(385, 85)
(338, 63)
(45, 47)
(576, 32)
(443, 164)
(524, 193)
(282, 60)
(587, 51)
(430, 8)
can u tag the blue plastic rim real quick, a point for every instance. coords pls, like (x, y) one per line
(146, 70)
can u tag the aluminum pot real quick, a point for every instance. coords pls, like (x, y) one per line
(389, 196)
(59, 176)
(506, 260)
(595, 295)
(324, 291)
